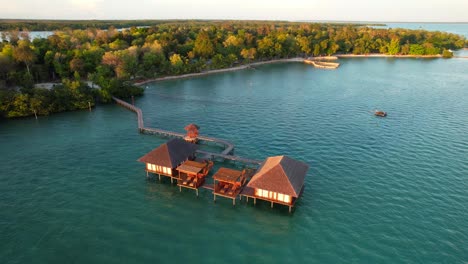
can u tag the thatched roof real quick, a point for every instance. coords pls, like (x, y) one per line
(170, 154)
(280, 174)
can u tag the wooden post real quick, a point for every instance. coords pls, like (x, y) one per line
(35, 114)
(255, 201)
(89, 105)
(271, 204)
(247, 198)
(214, 197)
(180, 188)
(289, 209)
(234, 201)
(159, 177)
(197, 192)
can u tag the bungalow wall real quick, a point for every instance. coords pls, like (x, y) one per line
(280, 197)
(158, 169)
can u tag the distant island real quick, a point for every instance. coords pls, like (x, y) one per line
(115, 60)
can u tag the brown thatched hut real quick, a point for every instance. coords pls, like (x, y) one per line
(279, 180)
(164, 159)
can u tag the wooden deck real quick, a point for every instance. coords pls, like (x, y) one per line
(194, 187)
(225, 154)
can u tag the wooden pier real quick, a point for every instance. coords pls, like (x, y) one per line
(226, 154)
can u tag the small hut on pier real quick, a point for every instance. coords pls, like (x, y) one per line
(164, 159)
(228, 183)
(279, 180)
(192, 133)
(192, 174)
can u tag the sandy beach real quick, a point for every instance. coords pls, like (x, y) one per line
(246, 66)
(378, 55)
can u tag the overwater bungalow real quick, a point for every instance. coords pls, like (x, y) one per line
(192, 174)
(279, 180)
(164, 159)
(229, 183)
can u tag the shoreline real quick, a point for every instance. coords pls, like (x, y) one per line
(378, 55)
(236, 68)
(297, 59)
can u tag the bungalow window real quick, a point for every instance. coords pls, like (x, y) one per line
(153, 167)
(265, 193)
(287, 199)
(258, 192)
(169, 171)
(280, 197)
(148, 166)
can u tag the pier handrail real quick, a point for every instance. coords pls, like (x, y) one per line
(228, 146)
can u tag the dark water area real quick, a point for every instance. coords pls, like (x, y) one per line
(379, 190)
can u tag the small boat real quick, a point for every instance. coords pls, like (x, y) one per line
(380, 113)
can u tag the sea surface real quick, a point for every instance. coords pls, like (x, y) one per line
(379, 190)
(455, 28)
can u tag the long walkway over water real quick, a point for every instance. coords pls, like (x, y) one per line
(227, 153)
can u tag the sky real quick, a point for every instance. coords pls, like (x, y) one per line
(292, 10)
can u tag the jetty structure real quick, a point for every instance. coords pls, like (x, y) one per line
(322, 64)
(226, 154)
(278, 179)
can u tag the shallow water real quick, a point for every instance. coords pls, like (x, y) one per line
(378, 189)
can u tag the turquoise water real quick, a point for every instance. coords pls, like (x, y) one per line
(455, 28)
(390, 190)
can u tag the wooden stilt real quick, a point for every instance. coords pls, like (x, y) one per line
(255, 201)
(89, 105)
(35, 114)
(234, 201)
(180, 189)
(159, 177)
(197, 191)
(247, 198)
(271, 204)
(290, 209)
(214, 197)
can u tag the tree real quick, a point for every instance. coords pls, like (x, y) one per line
(447, 54)
(23, 53)
(393, 46)
(416, 49)
(304, 44)
(249, 54)
(266, 47)
(203, 46)
(177, 63)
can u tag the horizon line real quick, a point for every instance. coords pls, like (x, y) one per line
(224, 19)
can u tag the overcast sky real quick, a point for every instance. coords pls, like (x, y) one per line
(343, 10)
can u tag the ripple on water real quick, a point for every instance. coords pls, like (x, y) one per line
(377, 189)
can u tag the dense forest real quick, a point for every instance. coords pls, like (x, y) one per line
(113, 59)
